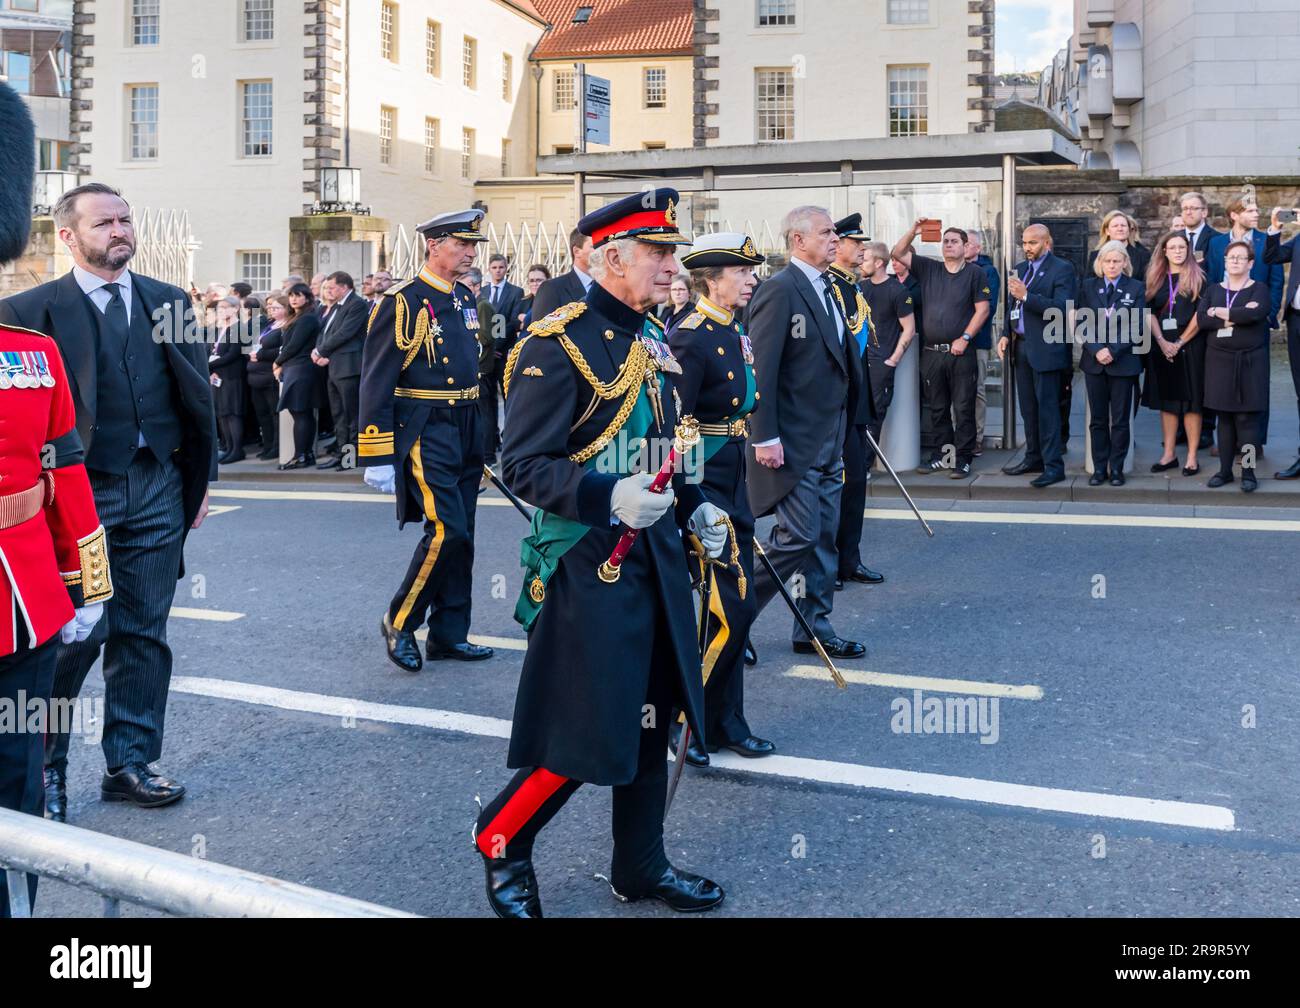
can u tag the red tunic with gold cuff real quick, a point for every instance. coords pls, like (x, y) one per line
(53, 558)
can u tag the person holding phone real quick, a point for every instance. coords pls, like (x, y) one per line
(1277, 253)
(1234, 315)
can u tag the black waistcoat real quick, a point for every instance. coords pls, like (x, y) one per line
(136, 393)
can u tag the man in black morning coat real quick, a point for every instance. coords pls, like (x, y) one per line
(608, 659)
(808, 372)
(150, 457)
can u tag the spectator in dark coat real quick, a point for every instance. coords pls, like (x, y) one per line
(226, 372)
(984, 339)
(297, 373)
(262, 386)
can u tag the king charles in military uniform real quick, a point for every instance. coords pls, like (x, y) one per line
(609, 658)
(420, 436)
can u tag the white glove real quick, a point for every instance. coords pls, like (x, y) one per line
(83, 621)
(708, 522)
(634, 505)
(382, 478)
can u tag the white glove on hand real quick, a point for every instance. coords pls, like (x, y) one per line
(83, 621)
(382, 478)
(634, 505)
(707, 523)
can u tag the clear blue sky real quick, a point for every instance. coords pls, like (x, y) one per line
(1028, 33)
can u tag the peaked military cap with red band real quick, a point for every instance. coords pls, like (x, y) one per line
(647, 217)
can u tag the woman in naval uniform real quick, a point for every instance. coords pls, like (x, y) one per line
(717, 388)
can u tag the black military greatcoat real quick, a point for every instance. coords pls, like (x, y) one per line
(579, 708)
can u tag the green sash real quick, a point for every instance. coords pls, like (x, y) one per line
(552, 536)
(711, 444)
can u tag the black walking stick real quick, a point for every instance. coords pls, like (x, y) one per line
(803, 623)
(519, 505)
(706, 592)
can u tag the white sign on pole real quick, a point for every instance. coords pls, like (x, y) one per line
(596, 108)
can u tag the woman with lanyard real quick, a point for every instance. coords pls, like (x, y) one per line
(1175, 374)
(717, 388)
(1112, 308)
(1234, 316)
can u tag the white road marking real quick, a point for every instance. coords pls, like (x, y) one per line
(216, 509)
(968, 687)
(1090, 804)
(1108, 521)
(213, 615)
(504, 643)
(975, 517)
(343, 707)
(360, 496)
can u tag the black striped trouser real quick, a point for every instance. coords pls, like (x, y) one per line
(143, 518)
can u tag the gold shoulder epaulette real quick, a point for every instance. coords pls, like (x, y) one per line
(692, 321)
(398, 286)
(656, 321)
(554, 323)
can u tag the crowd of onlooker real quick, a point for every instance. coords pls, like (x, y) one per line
(297, 350)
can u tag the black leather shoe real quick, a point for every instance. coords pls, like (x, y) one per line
(56, 794)
(1248, 483)
(330, 462)
(1117, 479)
(403, 651)
(751, 656)
(1021, 468)
(268, 453)
(1097, 479)
(1292, 472)
(682, 891)
(230, 457)
(751, 748)
(463, 651)
(142, 787)
(1157, 467)
(1046, 481)
(836, 647)
(512, 887)
(298, 462)
(839, 583)
(1218, 480)
(863, 574)
(695, 754)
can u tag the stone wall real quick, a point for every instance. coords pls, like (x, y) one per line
(46, 258)
(1152, 202)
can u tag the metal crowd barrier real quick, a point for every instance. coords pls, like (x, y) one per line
(126, 871)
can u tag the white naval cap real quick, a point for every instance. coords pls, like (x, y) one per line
(456, 224)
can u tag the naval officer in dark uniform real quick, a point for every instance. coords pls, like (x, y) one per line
(420, 436)
(609, 658)
(846, 275)
(718, 389)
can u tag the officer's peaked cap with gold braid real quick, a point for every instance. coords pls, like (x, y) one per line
(722, 248)
(462, 224)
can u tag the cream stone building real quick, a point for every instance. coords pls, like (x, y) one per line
(229, 110)
(790, 70)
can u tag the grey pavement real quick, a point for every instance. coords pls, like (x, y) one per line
(1144, 692)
